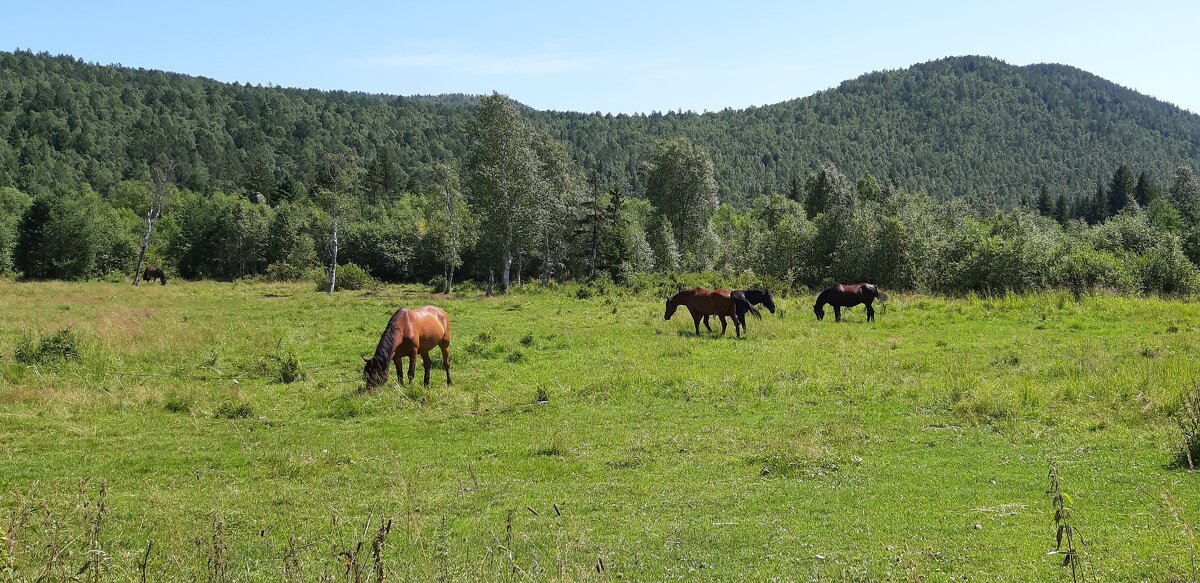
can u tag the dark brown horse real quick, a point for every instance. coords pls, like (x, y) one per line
(410, 332)
(755, 297)
(701, 302)
(153, 273)
(844, 296)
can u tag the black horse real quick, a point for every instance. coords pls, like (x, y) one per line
(753, 297)
(844, 296)
(153, 273)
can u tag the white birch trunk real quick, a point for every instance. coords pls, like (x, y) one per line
(333, 248)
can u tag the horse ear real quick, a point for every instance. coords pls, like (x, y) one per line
(365, 359)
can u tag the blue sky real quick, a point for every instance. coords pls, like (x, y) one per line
(615, 56)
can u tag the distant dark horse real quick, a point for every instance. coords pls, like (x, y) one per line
(754, 297)
(153, 273)
(409, 333)
(844, 296)
(702, 302)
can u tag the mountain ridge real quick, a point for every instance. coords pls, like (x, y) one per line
(956, 126)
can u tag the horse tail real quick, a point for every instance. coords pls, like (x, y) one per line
(743, 306)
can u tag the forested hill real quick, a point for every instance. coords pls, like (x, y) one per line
(953, 127)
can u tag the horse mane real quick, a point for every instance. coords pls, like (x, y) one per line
(823, 297)
(756, 295)
(387, 342)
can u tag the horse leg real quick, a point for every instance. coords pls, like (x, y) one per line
(837, 313)
(696, 321)
(445, 346)
(705, 325)
(870, 313)
(399, 360)
(412, 365)
(426, 363)
(725, 325)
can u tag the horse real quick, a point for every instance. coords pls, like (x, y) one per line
(153, 273)
(702, 302)
(754, 297)
(844, 296)
(410, 332)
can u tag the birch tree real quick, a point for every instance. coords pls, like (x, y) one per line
(160, 178)
(681, 186)
(503, 178)
(451, 226)
(338, 177)
(557, 204)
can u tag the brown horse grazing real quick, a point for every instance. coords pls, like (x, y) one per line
(701, 302)
(844, 296)
(153, 273)
(409, 333)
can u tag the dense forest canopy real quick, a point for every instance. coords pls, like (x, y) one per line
(959, 174)
(964, 126)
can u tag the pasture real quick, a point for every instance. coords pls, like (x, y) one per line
(587, 439)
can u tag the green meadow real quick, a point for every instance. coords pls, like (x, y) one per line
(588, 439)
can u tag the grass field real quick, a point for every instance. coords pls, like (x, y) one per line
(589, 439)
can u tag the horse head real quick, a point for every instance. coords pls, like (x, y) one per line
(672, 305)
(819, 310)
(374, 373)
(768, 301)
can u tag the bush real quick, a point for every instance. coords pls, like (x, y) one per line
(350, 277)
(1083, 269)
(1187, 416)
(289, 368)
(282, 271)
(1006, 254)
(233, 409)
(178, 403)
(437, 285)
(1165, 269)
(1126, 232)
(60, 346)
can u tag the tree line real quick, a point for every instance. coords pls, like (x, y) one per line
(519, 208)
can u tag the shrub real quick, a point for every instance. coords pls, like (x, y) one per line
(1126, 232)
(282, 271)
(178, 403)
(1187, 416)
(1007, 254)
(1165, 269)
(233, 409)
(1083, 269)
(437, 285)
(350, 277)
(289, 368)
(60, 346)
